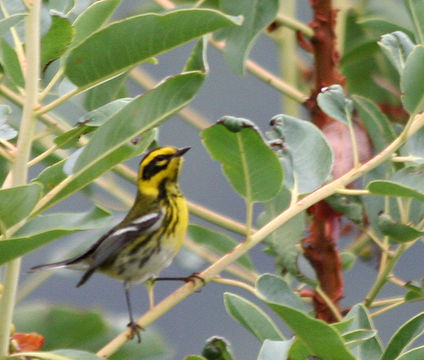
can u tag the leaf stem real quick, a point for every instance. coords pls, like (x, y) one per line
(237, 283)
(51, 84)
(329, 303)
(383, 275)
(292, 23)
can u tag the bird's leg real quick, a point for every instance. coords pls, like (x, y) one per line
(134, 327)
(150, 284)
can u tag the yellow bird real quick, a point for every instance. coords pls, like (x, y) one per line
(149, 236)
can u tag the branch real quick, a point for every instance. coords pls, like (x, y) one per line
(215, 269)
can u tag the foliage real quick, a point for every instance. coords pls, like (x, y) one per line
(302, 173)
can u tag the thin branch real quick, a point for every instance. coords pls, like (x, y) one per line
(215, 269)
(237, 283)
(294, 24)
(20, 168)
(330, 304)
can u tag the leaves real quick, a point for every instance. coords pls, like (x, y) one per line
(257, 14)
(306, 156)
(92, 18)
(370, 349)
(413, 90)
(6, 131)
(7, 23)
(55, 174)
(408, 182)
(217, 242)
(95, 59)
(397, 231)
(20, 201)
(140, 115)
(56, 40)
(251, 317)
(46, 228)
(404, 336)
(10, 63)
(275, 350)
(397, 46)
(238, 146)
(416, 12)
(333, 102)
(378, 127)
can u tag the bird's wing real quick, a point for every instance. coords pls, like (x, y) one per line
(111, 243)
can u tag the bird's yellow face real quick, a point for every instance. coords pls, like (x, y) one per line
(160, 169)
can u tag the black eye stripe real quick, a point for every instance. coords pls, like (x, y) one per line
(152, 169)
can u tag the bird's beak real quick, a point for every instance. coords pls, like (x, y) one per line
(182, 151)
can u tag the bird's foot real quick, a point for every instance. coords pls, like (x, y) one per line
(135, 330)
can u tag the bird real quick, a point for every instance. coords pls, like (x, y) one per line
(150, 235)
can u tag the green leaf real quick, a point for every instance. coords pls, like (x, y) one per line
(378, 126)
(397, 46)
(62, 6)
(6, 131)
(355, 337)
(143, 113)
(257, 14)
(100, 115)
(275, 350)
(307, 158)
(403, 337)
(370, 349)
(17, 203)
(413, 354)
(397, 231)
(46, 228)
(9, 61)
(195, 357)
(407, 182)
(198, 60)
(283, 242)
(217, 242)
(88, 122)
(92, 18)
(248, 162)
(416, 12)
(56, 40)
(274, 289)
(217, 348)
(411, 86)
(7, 23)
(348, 260)
(413, 147)
(333, 102)
(54, 174)
(321, 339)
(251, 317)
(111, 51)
(349, 206)
(105, 92)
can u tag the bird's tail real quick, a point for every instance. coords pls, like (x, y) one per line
(68, 264)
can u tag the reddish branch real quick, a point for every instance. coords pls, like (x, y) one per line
(321, 245)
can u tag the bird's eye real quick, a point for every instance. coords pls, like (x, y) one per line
(160, 157)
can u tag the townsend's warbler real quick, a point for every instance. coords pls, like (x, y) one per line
(151, 234)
